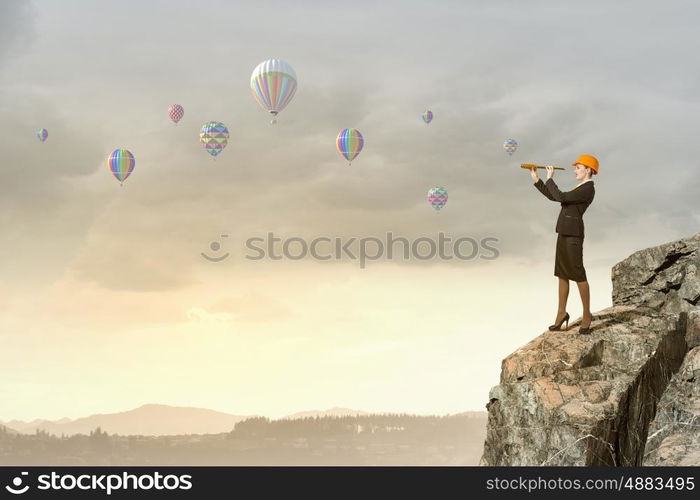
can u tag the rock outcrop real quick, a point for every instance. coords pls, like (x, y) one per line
(674, 435)
(628, 393)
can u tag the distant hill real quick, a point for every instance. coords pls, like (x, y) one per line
(30, 427)
(331, 412)
(6, 429)
(162, 420)
(147, 420)
(472, 414)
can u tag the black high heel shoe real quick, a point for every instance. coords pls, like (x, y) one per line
(558, 327)
(586, 330)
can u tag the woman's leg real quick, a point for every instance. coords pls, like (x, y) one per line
(585, 292)
(563, 296)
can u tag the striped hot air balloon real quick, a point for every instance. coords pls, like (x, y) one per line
(214, 137)
(176, 112)
(121, 163)
(427, 116)
(42, 134)
(437, 197)
(273, 84)
(349, 143)
(510, 146)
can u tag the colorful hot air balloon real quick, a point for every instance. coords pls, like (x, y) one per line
(428, 116)
(121, 162)
(510, 146)
(175, 112)
(349, 143)
(273, 84)
(42, 134)
(214, 137)
(437, 197)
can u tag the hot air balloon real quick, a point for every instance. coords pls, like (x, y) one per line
(510, 146)
(349, 143)
(437, 197)
(121, 162)
(42, 134)
(175, 112)
(428, 116)
(214, 137)
(273, 84)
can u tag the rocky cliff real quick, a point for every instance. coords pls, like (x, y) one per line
(628, 393)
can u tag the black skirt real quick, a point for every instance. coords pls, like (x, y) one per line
(568, 262)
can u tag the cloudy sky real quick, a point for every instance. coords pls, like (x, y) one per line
(106, 302)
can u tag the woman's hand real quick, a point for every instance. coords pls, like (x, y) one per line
(550, 171)
(533, 174)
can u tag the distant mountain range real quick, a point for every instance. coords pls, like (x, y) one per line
(162, 420)
(147, 420)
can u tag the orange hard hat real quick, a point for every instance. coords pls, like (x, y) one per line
(588, 161)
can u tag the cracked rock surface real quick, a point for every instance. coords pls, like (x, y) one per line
(666, 277)
(674, 434)
(570, 399)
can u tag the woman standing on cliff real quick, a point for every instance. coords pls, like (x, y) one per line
(568, 263)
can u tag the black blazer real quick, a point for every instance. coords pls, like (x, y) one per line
(573, 204)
